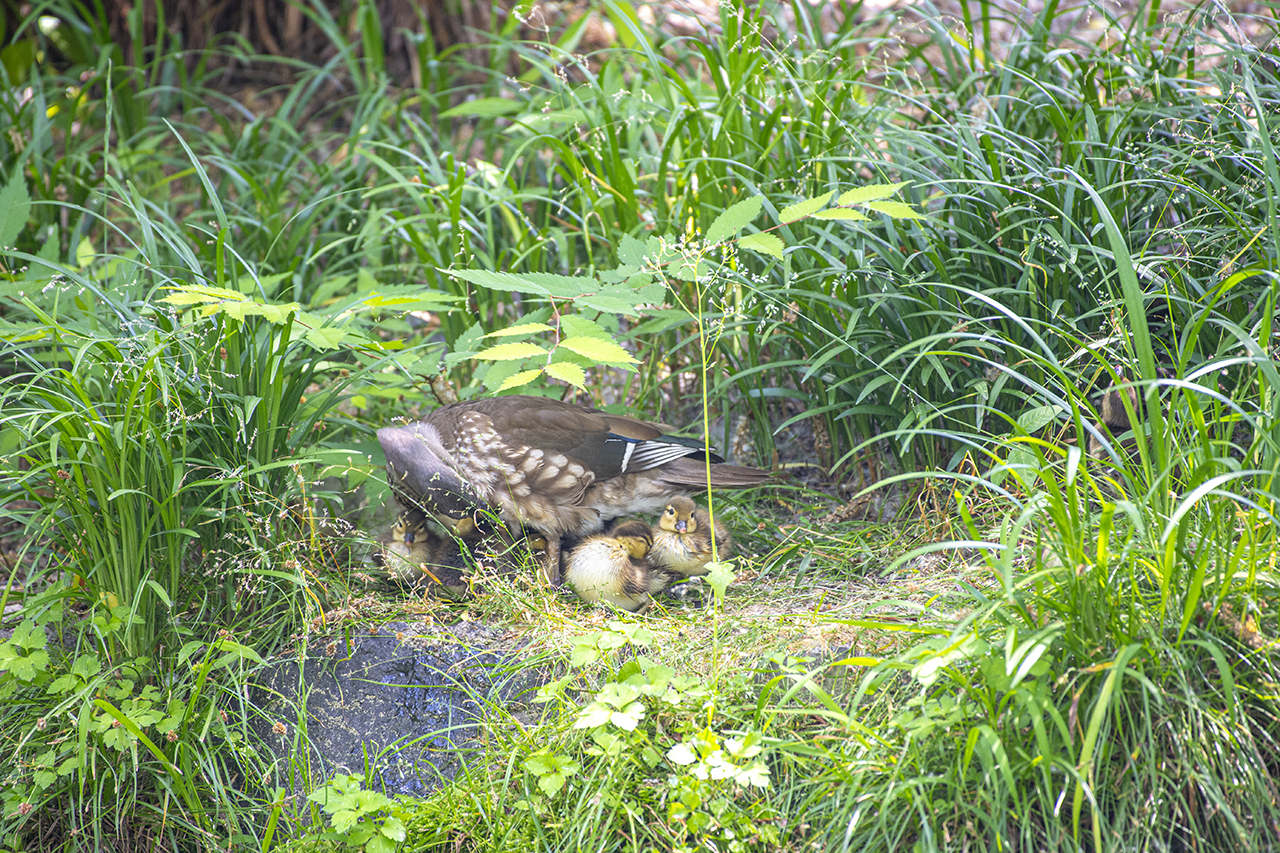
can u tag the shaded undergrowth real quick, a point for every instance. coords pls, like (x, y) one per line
(1062, 331)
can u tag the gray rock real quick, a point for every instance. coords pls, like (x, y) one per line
(404, 705)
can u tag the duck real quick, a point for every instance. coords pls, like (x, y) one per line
(559, 468)
(611, 567)
(1115, 421)
(684, 536)
(413, 553)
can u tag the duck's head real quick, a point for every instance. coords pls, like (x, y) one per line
(635, 536)
(678, 516)
(421, 472)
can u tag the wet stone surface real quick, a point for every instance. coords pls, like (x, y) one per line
(404, 705)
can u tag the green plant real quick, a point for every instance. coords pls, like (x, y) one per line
(85, 725)
(1098, 217)
(580, 342)
(360, 819)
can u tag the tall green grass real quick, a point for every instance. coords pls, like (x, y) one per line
(207, 306)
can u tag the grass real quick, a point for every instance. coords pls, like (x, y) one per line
(1060, 639)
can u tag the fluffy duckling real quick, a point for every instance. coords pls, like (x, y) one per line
(611, 567)
(682, 539)
(414, 553)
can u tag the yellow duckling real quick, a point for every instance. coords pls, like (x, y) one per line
(682, 539)
(413, 553)
(611, 567)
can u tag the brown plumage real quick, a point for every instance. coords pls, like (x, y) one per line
(559, 468)
(611, 567)
(682, 539)
(1115, 420)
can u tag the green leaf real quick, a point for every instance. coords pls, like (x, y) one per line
(841, 213)
(1037, 419)
(198, 294)
(485, 108)
(49, 253)
(239, 310)
(686, 271)
(543, 122)
(63, 684)
(804, 208)
(634, 633)
(495, 373)
(511, 352)
(86, 666)
(631, 252)
(393, 828)
(623, 274)
(266, 283)
(426, 300)
(25, 668)
(682, 755)
(551, 784)
(575, 325)
(469, 341)
(629, 717)
(733, 219)
(598, 349)
(756, 775)
(522, 329)
(871, 192)
(276, 313)
(652, 294)
(765, 244)
(540, 763)
(497, 280)
(520, 379)
(563, 286)
(326, 338)
(84, 253)
(896, 209)
(236, 310)
(719, 576)
(29, 635)
(584, 651)
(566, 372)
(15, 208)
(378, 844)
(17, 59)
(611, 303)
(591, 716)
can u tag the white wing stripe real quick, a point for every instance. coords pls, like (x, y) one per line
(651, 454)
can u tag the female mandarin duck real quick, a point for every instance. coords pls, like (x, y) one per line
(559, 468)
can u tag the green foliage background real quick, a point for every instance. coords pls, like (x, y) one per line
(941, 247)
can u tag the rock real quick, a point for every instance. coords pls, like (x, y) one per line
(404, 700)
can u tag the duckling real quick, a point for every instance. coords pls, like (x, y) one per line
(611, 567)
(413, 553)
(682, 539)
